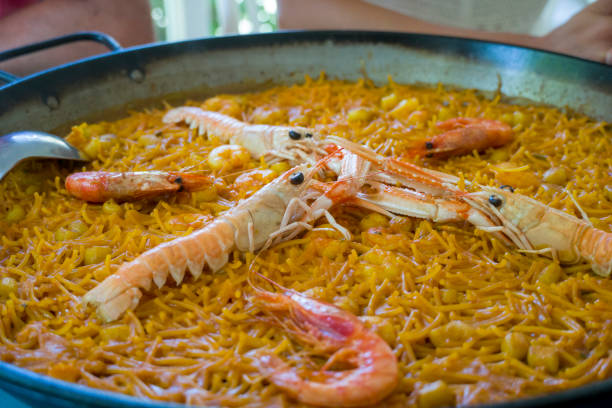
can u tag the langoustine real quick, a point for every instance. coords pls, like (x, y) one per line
(511, 217)
(278, 211)
(295, 144)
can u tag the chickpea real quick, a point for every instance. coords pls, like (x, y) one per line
(8, 285)
(280, 167)
(15, 214)
(515, 345)
(405, 107)
(550, 274)
(556, 175)
(499, 155)
(383, 327)
(334, 248)
(453, 333)
(96, 254)
(436, 395)
(346, 303)
(445, 113)
(111, 207)
(227, 157)
(78, 227)
(206, 195)
(120, 332)
(546, 357)
(389, 101)
(92, 149)
(373, 220)
(148, 140)
(359, 115)
(62, 234)
(417, 117)
(449, 296)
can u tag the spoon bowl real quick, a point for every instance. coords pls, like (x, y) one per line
(18, 146)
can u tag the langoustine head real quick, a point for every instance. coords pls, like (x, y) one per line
(534, 226)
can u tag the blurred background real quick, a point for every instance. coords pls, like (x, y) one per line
(176, 20)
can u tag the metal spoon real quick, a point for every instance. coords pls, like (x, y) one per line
(18, 146)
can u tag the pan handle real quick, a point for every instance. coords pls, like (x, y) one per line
(95, 36)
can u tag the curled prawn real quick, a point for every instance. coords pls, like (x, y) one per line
(99, 186)
(275, 143)
(464, 135)
(332, 330)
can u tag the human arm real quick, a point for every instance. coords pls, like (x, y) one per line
(587, 35)
(128, 21)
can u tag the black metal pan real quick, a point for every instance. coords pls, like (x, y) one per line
(103, 86)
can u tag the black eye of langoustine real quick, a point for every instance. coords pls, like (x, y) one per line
(428, 145)
(296, 178)
(295, 135)
(495, 200)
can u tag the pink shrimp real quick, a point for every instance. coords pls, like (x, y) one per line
(100, 186)
(464, 135)
(333, 330)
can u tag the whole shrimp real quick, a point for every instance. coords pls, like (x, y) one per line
(278, 211)
(464, 135)
(513, 218)
(295, 144)
(99, 186)
(332, 330)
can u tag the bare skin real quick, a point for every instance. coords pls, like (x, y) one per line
(129, 22)
(587, 35)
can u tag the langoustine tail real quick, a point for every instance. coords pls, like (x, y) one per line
(119, 292)
(206, 122)
(596, 247)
